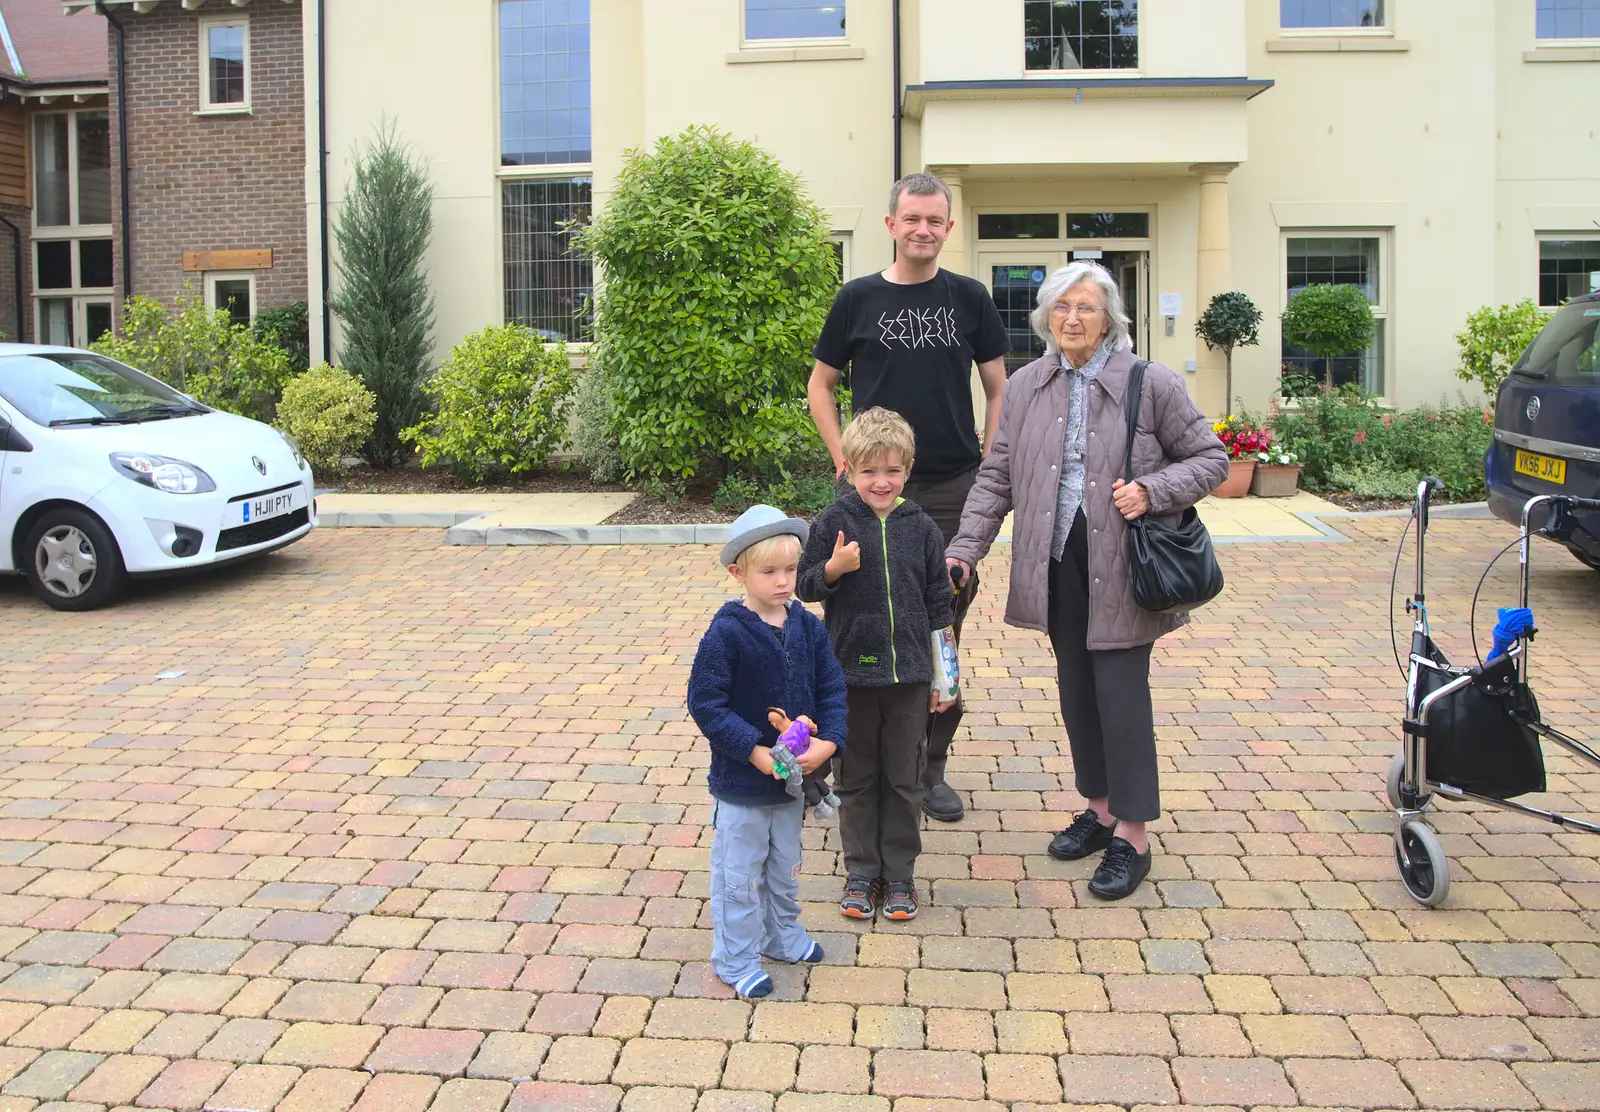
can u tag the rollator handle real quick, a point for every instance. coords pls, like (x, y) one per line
(1578, 503)
(1426, 489)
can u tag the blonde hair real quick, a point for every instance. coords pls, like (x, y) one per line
(876, 433)
(768, 549)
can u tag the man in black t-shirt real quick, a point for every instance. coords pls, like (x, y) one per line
(910, 336)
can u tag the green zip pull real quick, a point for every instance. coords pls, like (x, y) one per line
(888, 590)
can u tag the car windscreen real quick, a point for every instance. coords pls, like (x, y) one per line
(72, 388)
(1567, 351)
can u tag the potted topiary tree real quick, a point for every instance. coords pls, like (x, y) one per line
(1231, 320)
(1328, 321)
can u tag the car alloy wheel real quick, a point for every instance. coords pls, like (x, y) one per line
(66, 561)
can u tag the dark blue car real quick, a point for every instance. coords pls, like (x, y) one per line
(1547, 426)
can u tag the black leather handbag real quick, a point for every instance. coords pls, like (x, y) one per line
(1173, 566)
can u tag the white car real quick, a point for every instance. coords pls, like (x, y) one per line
(106, 472)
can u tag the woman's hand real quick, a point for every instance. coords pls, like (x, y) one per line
(966, 568)
(935, 706)
(1131, 499)
(816, 756)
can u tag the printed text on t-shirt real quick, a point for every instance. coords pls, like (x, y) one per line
(919, 328)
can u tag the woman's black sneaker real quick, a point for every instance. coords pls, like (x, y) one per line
(1086, 835)
(1121, 870)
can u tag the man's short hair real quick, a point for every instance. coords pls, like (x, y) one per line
(874, 434)
(918, 185)
(768, 550)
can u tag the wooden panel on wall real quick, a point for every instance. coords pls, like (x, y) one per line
(259, 258)
(13, 153)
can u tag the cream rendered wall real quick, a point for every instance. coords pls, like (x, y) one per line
(428, 67)
(1402, 141)
(1192, 38)
(969, 40)
(1548, 169)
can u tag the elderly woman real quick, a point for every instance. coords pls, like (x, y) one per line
(1057, 460)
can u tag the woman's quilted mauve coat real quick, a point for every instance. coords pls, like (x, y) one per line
(1176, 457)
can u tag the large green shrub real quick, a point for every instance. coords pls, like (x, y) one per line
(329, 413)
(1231, 320)
(201, 352)
(1327, 430)
(290, 328)
(718, 275)
(1494, 339)
(383, 300)
(597, 437)
(1329, 321)
(501, 403)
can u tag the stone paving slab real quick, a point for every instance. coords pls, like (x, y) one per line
(425, 827)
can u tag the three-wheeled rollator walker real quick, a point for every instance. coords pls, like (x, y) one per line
(1472, 733)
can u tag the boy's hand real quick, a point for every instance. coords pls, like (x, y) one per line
(761, 757)
(845, 558)
(816, 756)
(936, 706)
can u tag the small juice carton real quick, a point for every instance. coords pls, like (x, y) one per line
(946, 669)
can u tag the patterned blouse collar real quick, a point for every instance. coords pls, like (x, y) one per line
(1094, 364)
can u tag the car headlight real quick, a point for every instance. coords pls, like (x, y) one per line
(171, 475)
(299, 460)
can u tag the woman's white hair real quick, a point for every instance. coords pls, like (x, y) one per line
(1060, 282)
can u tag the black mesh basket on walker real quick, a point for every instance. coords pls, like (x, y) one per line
(1481, 738)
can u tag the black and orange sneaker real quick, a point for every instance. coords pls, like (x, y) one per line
(861, 896)
(900, 902)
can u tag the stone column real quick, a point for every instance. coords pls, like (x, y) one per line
(1214, 275)
(954, 255)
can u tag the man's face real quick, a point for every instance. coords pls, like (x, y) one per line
(920, 225)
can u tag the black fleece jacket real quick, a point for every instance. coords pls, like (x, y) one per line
(880, 616)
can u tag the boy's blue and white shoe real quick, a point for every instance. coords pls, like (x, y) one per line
(754, 986)
(814, 954)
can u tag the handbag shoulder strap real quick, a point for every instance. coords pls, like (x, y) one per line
(1134, 399)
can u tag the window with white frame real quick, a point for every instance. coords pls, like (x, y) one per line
(544, 124)
(1340, 259)
(225, 65)
(1081, 34)
(233, 292)
(840, 242)
(1569, 266)
(1566, 19)
(793, 19)
(1335, 14)
(72, 257)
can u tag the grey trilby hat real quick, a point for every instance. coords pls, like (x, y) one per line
(757, 524)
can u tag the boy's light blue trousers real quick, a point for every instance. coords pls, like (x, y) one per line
(755, 887)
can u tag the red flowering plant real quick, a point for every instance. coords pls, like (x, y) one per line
(1243, 438)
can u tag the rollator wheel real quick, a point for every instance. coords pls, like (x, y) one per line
(1427, 876)
(1391, 783)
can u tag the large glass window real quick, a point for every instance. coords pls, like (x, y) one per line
(225, 58)
(1330, 13)
(544, 82)
(72, 256)
(1081, 34)
(1567, 19)
(52, 169)
(1568, 268)
(1108, 225)
(1340, 261)
(793, 19)
(548, 284)
(1019, 225)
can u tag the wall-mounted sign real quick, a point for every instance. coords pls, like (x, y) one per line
(1171, 304)
(1088, 254)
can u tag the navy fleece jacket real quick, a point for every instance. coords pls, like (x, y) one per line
(739, 671)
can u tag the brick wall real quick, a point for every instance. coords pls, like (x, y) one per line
(212, 183)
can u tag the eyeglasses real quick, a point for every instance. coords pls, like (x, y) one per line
(1062, 309)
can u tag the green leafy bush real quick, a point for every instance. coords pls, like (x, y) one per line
(1448, 443)
(501, 403)
(1327, 430)
(1329, 321)
(1373, 480)
(289, 327)
(1493, 340)
(807, 494)
(718, 277)
(200, 352)
(597, 438)
(736, 493)
(1231, 320)
(329, 413)
(383, 300)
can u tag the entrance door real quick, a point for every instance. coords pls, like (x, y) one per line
(1131, 269)
(1014, 280)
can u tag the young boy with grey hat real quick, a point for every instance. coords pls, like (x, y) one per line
(762, 652)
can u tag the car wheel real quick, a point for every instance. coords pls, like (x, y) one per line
(72, 561)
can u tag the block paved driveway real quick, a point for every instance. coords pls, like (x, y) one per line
(424, 827)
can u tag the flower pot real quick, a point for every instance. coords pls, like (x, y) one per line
(1237, 484)
(1275, 480)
